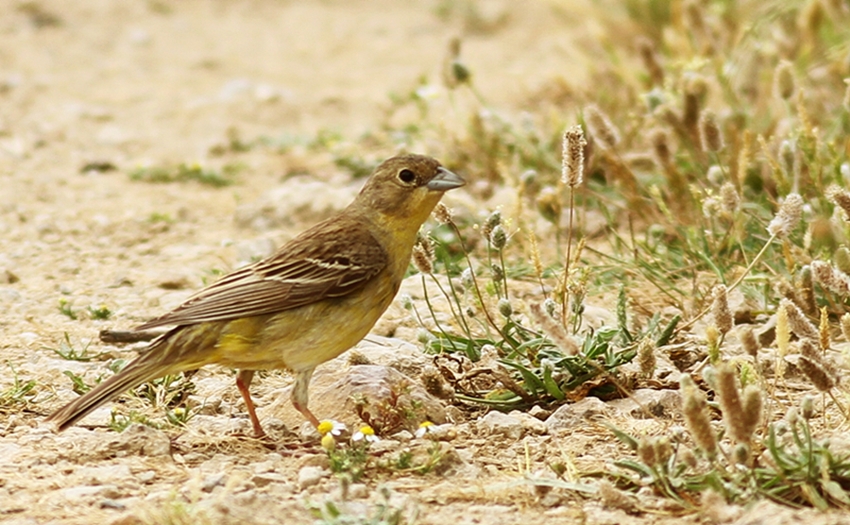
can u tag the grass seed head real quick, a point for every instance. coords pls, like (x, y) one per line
(443, 214)
(730, 198)
(722, 314)
(695, 410)
(788, 216)
(840, 197)
(783, 80)
(711, 138)
(600, 127)
(572, 160)
(646, 357)
(831, 278)
(749, 341)
(798, 322)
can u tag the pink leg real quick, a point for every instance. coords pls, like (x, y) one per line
(300, 395)
(243, 382)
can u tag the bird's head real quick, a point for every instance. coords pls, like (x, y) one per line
(407, 186)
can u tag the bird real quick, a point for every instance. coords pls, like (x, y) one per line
(314, 298)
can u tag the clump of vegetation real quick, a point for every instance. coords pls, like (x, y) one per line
(712, 149)
(183, 172)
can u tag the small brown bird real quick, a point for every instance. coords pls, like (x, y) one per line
(315, 298)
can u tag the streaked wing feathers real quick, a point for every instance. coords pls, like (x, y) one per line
(332, 259)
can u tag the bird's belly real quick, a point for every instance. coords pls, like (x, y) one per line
(301, 338)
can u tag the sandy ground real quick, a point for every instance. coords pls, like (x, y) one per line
(128, 84)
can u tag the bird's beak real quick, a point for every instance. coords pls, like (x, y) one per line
(444, 180)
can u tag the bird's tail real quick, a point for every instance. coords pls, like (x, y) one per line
(136, 373)
(152, 364)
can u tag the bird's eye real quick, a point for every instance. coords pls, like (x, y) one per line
(406, 176)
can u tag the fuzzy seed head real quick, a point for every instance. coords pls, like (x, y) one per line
(551, 307)
(505, 308)
(553, 330)
(663, 449)
(752, 402)
(498, 272)
(741, 454)
(788, 217)
(443, 214)
(730, 199)
(498, 237)
(712, 341)
(820, 376)
(798, 322)
(646, 452)
(806, 290)
(493, 220)
(841, 198)
(722, 314)
(650, 59)
(421, 260)
(783, 80)
(695, 410)
(646, 357)
(831, 278)
(807, 407)
(841, 259)
(730, 402)
(749, 341)
(600, 127)
(710, 136)
(572, 172)
(661, 146)
(688, 457)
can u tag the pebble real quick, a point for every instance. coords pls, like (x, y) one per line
(141, 440)
(309, 476)
(572, 415)
(499, 423)
(659, 403)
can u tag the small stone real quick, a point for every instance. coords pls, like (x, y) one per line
(572, 415)
(141, 440)
(127, 519)
(267, 478)
(146, 477)
(7, 276)
(649, 403)
(212, 481)
(530, 424)
(358, 491)
(102, 475)
(498, 423)
(309, 476)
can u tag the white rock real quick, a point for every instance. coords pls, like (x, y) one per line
(498, 423)
(309, 476)
(572, 415)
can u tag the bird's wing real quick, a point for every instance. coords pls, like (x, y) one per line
(332, 259)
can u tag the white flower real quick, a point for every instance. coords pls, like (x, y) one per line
(424, 428)
(329, 426)
(365, 433)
